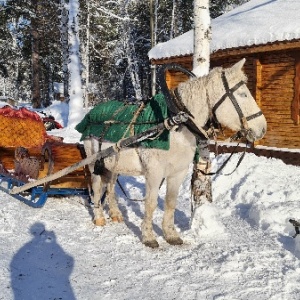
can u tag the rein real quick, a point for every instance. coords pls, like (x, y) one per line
(226, 161)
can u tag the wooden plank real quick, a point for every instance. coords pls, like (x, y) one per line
(256, 49)
(292, 158)
(296, 101)
(61, 155)
(258, 80)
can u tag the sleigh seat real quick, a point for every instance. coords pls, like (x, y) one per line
(27, 153)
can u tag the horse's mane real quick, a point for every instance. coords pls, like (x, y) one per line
(195, 88)
(195, 91)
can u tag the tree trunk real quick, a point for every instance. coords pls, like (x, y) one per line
(86, 60)
(202, 37)
(173, 20)
(76, 111)
(153, 27)
(35, 57)
(65, 48)
(201, 184)
(130, 52)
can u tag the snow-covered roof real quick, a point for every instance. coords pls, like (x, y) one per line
(257, 22)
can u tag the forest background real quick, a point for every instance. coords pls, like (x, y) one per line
(114, 38)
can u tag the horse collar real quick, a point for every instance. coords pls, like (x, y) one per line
(201, 132)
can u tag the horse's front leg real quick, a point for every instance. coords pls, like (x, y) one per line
(114, 211)
(152, 187)
(91, 146)
(97, 186)
(170, 233)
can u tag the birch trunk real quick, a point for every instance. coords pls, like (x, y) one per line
(35, 57)
(86, 60)
(130, 51)
(153, 28)
(201, 184)
(76, 111)
(202, 37)
(65, 48)
(172, 31)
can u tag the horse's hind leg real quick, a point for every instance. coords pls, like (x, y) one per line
(170, 233)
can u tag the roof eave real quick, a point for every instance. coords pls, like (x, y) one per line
(237, 51)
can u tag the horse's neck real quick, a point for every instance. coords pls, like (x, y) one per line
(194, 97)
(182, 138)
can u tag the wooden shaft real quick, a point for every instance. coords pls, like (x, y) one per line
(102, 154)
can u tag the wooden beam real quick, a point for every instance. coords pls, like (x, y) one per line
(296, 100)
(240, 51)
(258, 80)
(270, 47)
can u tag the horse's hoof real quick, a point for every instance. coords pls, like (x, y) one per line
(99, 222)
(151, 244)
(117, 219)
(175, 241)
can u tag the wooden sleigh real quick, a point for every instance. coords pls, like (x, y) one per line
(28, 153)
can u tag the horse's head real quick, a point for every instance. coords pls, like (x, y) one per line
(232, 103)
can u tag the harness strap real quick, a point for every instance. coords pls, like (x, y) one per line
(229, 93)
(254, 116)
(226, 161)
(200, 132)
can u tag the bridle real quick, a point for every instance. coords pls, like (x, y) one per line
(175, 105)
(229, 92)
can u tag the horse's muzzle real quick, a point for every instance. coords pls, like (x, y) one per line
(251, 136)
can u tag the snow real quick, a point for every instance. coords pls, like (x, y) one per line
(254, 23)
(238, 247)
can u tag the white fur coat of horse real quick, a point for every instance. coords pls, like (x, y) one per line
(199, 96)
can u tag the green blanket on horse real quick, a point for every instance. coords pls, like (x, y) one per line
(114, 120)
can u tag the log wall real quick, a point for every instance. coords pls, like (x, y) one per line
(274, 81)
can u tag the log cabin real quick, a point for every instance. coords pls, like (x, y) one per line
(267, 34)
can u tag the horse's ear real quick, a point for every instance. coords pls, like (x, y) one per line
(239, 65)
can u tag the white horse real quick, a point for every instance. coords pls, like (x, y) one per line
(223, 93)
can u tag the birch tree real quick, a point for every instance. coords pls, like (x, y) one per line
(153, 33)
(76, 111)
(201, 184)
(129, 49)
(64, 17)
(202, 37)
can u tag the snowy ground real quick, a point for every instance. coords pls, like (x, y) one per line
(241, 249)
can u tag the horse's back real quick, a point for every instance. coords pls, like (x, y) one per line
(140, 160)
